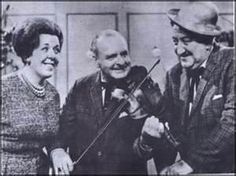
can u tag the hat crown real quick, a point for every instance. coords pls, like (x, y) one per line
(200, 13)
(199, 17)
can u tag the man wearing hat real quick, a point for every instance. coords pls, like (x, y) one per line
(199, 100)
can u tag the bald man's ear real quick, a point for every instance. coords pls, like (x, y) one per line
(91, 55)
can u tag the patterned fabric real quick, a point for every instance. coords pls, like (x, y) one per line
(194, 75)
(82, 117)
(207, 134)
(28, 123)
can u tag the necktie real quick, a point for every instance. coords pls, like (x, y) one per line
(108, 90)
(195, 75)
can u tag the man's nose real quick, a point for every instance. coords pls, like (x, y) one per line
(179, 50)
(120, 59)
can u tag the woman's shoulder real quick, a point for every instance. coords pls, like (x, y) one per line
(9, 84)
(9, 77)
(10, 80)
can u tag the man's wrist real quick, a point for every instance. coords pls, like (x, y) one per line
(144, 146)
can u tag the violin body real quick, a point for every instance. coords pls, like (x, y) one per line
(149, 100)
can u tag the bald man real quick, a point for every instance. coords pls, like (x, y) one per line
(84, 115)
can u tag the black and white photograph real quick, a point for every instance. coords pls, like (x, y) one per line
(117, 87)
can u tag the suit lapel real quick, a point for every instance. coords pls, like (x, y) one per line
(96, 96)
(184, 86)
(199, 93)
(183, 94)
(210, 67)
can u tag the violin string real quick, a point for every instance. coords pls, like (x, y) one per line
(116, 112)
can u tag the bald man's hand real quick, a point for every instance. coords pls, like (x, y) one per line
(62, 162)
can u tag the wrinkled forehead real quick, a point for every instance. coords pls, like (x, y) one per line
(113, 42)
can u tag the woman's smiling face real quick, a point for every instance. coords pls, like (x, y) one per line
(45, 57)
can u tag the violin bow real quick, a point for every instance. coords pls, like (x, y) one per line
(116, 113)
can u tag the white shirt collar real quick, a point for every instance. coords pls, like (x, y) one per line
(205, 61)
(204, 64)
(103, 79)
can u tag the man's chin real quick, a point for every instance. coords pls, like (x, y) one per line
(119, 75)
(186, 65)
(187, 62)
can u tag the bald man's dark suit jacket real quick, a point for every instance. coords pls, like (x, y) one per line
(82, 118)
(207, 134)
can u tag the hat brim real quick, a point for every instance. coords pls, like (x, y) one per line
(172, 13)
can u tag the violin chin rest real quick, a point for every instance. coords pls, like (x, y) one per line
(118, 93)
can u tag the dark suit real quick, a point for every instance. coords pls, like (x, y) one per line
(207, 134)
(82, 118)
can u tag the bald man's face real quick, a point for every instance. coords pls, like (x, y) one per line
(113, 57)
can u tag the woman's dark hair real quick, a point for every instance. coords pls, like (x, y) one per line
(26, 38)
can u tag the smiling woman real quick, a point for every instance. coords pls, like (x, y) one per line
(30, 104)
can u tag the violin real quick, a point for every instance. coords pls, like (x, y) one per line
(128, 84)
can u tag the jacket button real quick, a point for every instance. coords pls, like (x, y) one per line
(99, 153)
